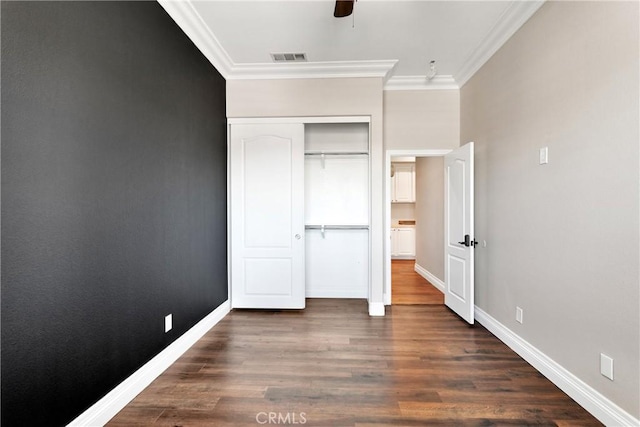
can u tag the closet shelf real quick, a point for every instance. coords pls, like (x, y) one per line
(336, 227)
(336, 153)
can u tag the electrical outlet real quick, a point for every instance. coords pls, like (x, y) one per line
(168, 322)
(519, 315)
(606, 366)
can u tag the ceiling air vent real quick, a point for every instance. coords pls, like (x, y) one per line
(289, 57)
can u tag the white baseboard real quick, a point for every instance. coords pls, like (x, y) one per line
(437, 283)
(114, 401)
(336, 293)
(590, 399)
(376, 309)
(403, 257)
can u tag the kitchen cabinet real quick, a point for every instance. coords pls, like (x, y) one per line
(403, 242)
(403, 188)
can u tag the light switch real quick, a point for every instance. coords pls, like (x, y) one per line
(544, 155)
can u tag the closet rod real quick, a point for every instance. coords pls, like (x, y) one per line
(337, 153)
(336, 227)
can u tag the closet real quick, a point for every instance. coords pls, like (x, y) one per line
(337, 210)
(299, 210)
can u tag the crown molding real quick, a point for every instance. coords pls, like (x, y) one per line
(308, 70)
(509, 22)
(421, 83)
(190, 21)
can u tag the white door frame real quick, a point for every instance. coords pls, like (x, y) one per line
(387, 207)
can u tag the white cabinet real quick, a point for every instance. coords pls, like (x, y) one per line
(403, 188)
(403, 242)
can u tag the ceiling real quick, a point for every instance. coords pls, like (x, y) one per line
(394, 39)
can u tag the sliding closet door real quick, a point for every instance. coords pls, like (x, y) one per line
(267, 216)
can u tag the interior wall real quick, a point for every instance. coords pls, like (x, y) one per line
(113, 199)
(324, 97)
(563, 238)
(430, 214)
(401, 211)
(421, 119)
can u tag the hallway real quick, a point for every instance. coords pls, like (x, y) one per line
(408, 287)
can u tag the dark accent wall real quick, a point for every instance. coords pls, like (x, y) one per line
(113, 198)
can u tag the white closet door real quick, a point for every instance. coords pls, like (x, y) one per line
(267, 216)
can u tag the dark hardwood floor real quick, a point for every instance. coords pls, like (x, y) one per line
(334, 365)
(408, 287)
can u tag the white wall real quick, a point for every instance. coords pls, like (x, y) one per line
(400, 211)
(563, 238)
(411, 120)
(421, 119)
(324, 97)
(430, 215)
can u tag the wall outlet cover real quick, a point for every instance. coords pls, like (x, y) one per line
(606, 366)
(168, 323)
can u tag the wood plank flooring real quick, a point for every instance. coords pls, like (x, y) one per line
(334, 365)
(408, 287)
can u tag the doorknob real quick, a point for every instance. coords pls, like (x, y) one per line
(467, 241)
(298, 237)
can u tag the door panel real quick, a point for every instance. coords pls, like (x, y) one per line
(459, 290)
(279, 270)
(267, 192)
(456, 175)
(267, 216)
(457, 268)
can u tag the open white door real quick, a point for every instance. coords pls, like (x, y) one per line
(458, 225)
(267, 216)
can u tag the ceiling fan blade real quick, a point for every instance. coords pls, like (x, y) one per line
(343, 8)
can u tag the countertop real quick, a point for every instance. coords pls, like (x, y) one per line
(403, 223)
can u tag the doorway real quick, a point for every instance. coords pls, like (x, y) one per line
(407, 281)
(410, 288)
